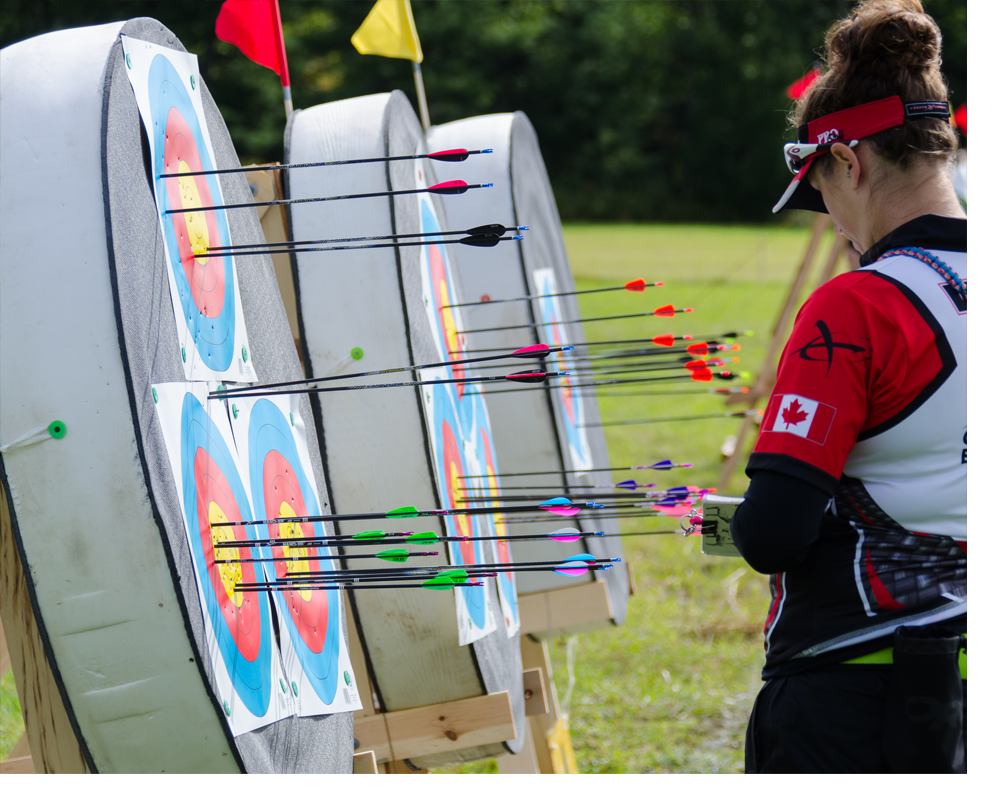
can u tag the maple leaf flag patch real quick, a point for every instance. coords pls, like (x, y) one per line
(801, 416)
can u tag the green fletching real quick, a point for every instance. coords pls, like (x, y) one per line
(369, 535)
(427, 537)
(393, 555)
(404, 511)
(438, 583)
(456, 575)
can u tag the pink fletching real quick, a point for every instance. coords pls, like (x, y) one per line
(562, 511)
(573, 568)
(534, 349)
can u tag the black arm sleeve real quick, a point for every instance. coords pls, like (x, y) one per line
(778, 521)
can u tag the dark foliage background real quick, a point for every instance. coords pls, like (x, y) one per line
(646, 109)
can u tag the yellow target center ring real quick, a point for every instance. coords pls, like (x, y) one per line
(230, 574)
(293, 530)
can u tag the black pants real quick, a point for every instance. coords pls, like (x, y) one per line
(821, 721)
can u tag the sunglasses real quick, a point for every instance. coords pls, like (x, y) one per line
(798, 154)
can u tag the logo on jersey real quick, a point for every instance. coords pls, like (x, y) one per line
(824, 347)
(802, 416)
(956, 297)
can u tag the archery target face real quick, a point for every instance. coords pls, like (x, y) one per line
(282, 485)
(496, 526)
(569, 403)
(212, 490)
(204, 288)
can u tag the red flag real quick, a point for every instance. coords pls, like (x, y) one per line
(254, 26)
(961, 118)
(797, 89)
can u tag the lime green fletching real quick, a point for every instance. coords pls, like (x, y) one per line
(404, 511)
(427, 537)
(439, 582)
(369, 535)
(393, 555)
(456, 575)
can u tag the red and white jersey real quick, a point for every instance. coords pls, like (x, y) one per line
(870, 405)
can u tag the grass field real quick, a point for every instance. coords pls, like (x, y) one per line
(671, 690)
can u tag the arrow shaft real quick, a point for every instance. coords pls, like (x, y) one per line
(435, 512)
(552, 294)
(270, 167)
(243, 390)
(264, 203)
(350, 239)
(349, 247)
(256, 393)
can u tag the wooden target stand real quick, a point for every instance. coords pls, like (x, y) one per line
(387, 740)
(761, 389)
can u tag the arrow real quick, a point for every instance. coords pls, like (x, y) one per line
(525, 376)
(448, 577)
(624, 485)
(735, 390)
(533, 351)
(467, 570)
(662, 340)
(677, 492)
(638, 285)
(556, 505)
(662, 311)
(528, 497)
(441, 155)
(693, 349)
(725, 375)
(660, 465)
(481, 240)
(434, 583)
(751, 413)
(694, 366)
(495, 229)
(397, 555)
(448, 187)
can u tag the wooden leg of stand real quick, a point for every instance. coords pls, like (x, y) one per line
(53, 744)
(525, 762)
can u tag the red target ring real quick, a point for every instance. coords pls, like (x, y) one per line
(198, 230)
(454, 469)
(216, 503)
(283, 498)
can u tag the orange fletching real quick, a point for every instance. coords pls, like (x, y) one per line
(665, 311)
(638, 285)
(664, 340)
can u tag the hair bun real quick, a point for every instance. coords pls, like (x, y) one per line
(885, 37)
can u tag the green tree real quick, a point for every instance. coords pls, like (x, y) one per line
(645, 109)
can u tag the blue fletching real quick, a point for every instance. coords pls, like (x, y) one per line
(581, 557)
(556, 501)
(663, 464)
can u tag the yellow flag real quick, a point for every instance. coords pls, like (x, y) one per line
(389, 31)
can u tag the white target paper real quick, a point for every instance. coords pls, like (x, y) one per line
(204, 290)
(270, 439)
(212, 486)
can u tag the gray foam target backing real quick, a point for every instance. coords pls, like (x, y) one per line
(97, 518)
(531, 436)
(375, 443)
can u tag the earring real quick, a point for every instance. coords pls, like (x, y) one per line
(847, 174)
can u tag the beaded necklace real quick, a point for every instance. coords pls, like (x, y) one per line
(934, 263)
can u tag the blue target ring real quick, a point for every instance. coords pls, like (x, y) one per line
(250, 678)
(179, 134)
(269, 434)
